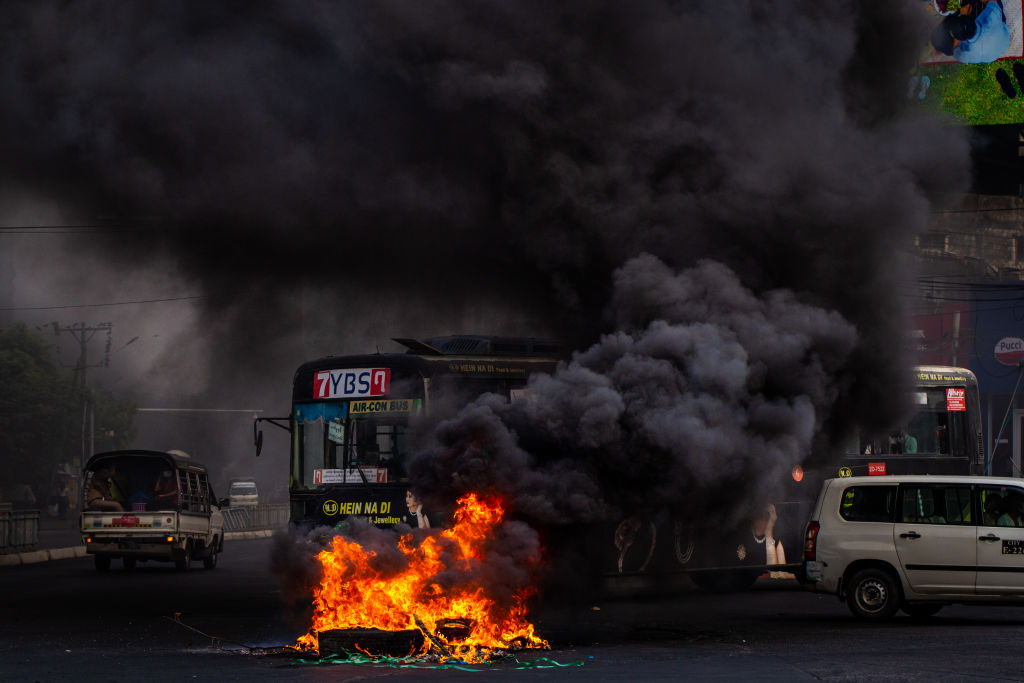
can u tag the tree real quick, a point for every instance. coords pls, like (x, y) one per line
(114, 421)
(41, 413)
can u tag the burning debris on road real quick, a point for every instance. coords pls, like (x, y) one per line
(435, 584)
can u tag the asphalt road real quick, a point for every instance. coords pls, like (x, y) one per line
(61, 621)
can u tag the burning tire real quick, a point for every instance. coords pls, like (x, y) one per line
(372, 640)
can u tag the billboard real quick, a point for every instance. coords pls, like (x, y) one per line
(974, 67)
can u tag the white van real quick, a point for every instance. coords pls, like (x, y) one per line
(243, 492)
(150, 505)
(916, 543)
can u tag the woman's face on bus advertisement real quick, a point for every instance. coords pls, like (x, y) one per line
(412, 502)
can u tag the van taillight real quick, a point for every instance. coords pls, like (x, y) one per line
(811, 541)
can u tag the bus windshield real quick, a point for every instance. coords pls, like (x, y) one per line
(940, 426)
(333, 446)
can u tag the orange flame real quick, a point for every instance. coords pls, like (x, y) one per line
(354, 594)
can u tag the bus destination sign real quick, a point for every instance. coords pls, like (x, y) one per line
(393, 405)
(352, 382)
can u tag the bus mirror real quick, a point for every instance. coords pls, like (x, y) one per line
(257, 437)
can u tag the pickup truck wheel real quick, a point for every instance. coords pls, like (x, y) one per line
(210, 561)
(873, 594)
(185, 559)
(102, 562)
(129, 563)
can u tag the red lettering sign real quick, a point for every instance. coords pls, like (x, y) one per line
(876, 468)
(352, 382)
(956, 399)
(1010, 350)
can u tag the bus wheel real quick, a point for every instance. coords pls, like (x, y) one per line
(129, 563)
(102, 562)
(185, 559)
(210, 561)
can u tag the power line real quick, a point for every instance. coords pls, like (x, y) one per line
(110, 303)
(94, 227)
(199, 410)
(990, 210)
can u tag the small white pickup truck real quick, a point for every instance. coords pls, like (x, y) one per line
(150, 505)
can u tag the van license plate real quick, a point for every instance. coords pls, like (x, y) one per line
(814, 571)
(1013, 547)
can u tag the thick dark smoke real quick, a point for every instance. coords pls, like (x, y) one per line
(701, 403)
(430, 158)
(480, 151)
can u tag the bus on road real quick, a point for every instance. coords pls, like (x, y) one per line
(350, 415)
(942, 436)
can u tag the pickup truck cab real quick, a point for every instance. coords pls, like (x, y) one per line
(150, 505)
(916, 543)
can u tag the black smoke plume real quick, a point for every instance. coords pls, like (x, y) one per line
(435, 158)
(705, 389)
(513, 152)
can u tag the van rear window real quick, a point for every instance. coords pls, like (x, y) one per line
(868, 504)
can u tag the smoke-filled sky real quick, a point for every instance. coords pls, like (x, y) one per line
(329, 175)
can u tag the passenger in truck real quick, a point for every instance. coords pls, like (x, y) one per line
(104, 493)
(165, 492)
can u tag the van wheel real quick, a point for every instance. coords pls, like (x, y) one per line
(129, 563)
(102, 562)
(873, 594)
(921, 610)
(185, 559)
(210, 561)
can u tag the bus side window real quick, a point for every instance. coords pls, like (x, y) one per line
(942, 435)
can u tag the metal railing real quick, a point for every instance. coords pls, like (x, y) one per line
(19, 529)
(252, 517)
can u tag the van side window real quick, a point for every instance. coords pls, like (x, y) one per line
(1002, 506)
(931, 504)
(868, 504)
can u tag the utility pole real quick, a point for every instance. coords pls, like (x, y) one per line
(83, 333)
